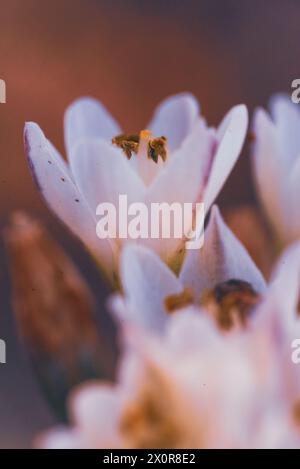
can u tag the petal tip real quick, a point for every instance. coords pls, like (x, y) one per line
(33, 137)
(32, 130)
(241, 111)
(81, 101)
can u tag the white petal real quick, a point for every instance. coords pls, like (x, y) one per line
(275, 430)
(174, 118)
(88, 118)
(59, 438)
(221, 258)
(278, 317)
(102, 173)
(285, 283)
(118, 306)
(184, 175)
(294, 210)
(146, 281)
(270, 172)
(146, 168)
(95, 410)
(53, 179)
(191, 329)
(286, 117)
(182, 181)
(231, 135)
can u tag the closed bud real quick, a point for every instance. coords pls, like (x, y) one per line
(54, 310)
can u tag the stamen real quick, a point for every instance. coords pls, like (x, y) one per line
(128, 143)
(145, 135)
(156, 148)
(179, 300)
(230, 302)
(142, 144)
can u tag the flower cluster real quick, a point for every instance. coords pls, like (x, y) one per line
(205, 337)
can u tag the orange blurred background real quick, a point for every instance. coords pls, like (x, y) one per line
(130, 54)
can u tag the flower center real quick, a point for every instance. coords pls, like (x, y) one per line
(230, 303)
(143, 143)
(179, 300)
(150, 419)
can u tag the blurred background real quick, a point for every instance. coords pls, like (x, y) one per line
(130, 54)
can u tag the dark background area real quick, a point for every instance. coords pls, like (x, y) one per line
(130, 54)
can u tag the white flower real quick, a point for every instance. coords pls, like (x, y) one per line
(276, 161)
(192, 166)
(147, 282)
(193, 388)
(279, 314)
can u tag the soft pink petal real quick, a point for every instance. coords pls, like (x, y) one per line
(270, 172)
(146, 281)
(182, 180)
(221, 258)
(285, 284)
(278, 317)
(174, 118)
(53, 179)
(218, 376)
(102, 173)
(59, 438)
(275, 431)
(190, 330)
(231, 135)
(145, 167)
(286, 117)
(88, 118)
(294, 189)
(118, 306)
(95, 409)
